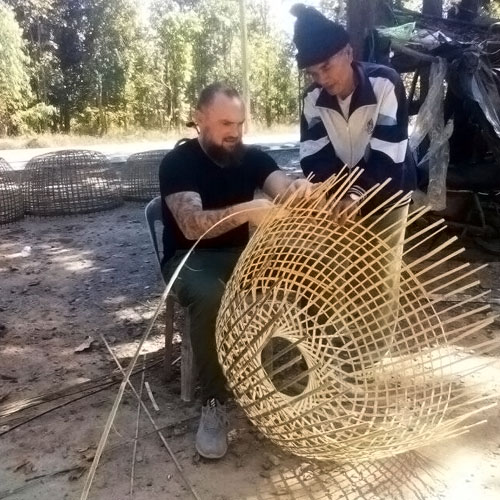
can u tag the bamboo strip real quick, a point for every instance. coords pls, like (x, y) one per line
(380, 367)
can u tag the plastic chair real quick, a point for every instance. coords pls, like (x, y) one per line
(153, 214)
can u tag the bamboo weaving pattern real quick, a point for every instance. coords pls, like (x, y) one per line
(70, 182)
(140, 175)
(330, 336)
(11, 196)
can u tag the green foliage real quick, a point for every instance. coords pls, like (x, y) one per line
(336, 9)
(492, 7)
(14, 79)
(95, 66)
(176, 34)
(101, 65)
(39, 118)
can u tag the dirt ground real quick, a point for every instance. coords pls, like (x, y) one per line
(63, 280)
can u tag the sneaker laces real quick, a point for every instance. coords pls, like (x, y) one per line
(214, 415)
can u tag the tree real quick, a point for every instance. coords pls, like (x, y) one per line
(363, 16)
(37, 19)
(97, 64)
(334, 8)
(176, 34)
(14, 78)
(111, 42)
(433, 7)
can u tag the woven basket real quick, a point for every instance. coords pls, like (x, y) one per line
(11, 196)
(140, 175)
(335, 346)
(70, 182)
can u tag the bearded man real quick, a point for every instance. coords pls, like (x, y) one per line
(205, 181)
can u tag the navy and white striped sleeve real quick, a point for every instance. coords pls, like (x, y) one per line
(389, 141)
(317, 155)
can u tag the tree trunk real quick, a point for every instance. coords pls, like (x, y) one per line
(469, 9)
(66, 119)
(362, 17)
(433, 8)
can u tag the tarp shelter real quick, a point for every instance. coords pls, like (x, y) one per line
(455, 99)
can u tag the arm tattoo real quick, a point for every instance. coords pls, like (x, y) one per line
(193, 221)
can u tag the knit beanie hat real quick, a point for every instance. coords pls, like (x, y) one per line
(316, 37)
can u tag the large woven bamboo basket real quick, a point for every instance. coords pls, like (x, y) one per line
(70, 182)
(11, 196)
(333, 338)
(140, 175)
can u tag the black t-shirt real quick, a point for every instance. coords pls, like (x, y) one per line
(188, 168)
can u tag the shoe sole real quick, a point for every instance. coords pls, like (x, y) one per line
(210, 457)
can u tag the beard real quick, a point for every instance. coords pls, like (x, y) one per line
(223, 156)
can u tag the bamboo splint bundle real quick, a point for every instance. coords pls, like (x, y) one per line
(330, 340)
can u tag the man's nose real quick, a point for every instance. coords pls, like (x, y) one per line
(236, 130)
(322, 79)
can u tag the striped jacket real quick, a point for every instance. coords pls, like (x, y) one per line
(375, 137)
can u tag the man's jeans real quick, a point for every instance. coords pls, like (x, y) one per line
(199, 287)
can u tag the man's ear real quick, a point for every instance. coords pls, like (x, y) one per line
(198, 117)
(349, 52)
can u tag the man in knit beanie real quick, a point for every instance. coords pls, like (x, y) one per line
(354, 113)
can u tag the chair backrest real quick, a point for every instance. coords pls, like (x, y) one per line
(153, 214)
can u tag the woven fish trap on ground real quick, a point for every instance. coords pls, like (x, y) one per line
(11, 195)
(140, 175)
(331, 336)
(70, 182)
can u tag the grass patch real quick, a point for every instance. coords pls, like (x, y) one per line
(49, 140)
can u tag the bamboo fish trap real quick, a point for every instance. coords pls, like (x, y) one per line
(11, 196)
(70, 182)
(331, 336)
(140, 175)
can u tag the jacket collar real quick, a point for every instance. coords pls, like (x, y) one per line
(363, 93)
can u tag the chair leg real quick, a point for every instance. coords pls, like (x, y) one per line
(169, 334)
(188, 369)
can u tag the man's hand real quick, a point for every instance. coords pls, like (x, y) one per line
(259, 208)
(346, 208)
(278, 186)
(301, 188)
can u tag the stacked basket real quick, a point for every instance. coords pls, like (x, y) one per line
(70, 182)
(11, 196)
(140, 175)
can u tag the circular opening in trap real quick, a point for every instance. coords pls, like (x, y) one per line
(285, 366)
